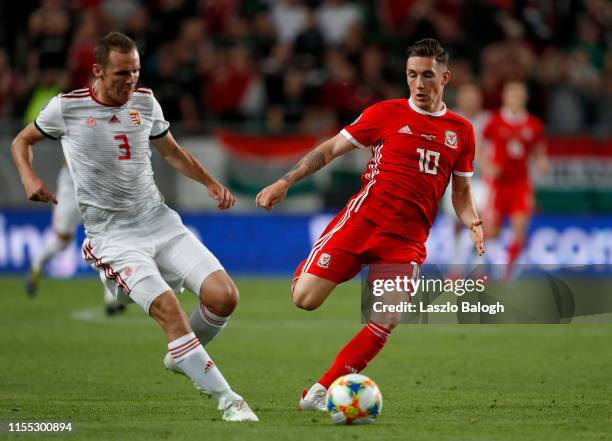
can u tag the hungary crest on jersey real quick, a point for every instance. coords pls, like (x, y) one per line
(135, 117)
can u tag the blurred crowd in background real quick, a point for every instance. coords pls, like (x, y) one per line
(310, 66)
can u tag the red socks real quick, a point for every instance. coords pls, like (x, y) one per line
(513, 252)
(354, 357)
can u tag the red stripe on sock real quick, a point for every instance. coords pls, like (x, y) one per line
(185, 350)
(378, 328)
(374, 331)
(180, 347)
(208, 318)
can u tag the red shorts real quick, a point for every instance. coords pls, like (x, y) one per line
(352, 240)
(510, 199)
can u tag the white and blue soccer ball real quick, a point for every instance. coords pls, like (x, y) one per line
(354, 399)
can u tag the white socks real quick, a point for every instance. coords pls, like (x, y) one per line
(205, 324)
(194, 361)
(51, 247)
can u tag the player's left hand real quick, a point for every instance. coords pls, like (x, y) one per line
(36, 190)
(273, 194)
(477, 235)
(222, 195)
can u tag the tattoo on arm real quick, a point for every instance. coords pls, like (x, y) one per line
(309, 164)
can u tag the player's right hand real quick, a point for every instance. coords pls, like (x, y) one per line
(477, 235)
(272, 194)
(36, 190)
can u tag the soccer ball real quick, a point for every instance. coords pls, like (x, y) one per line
(354, 399)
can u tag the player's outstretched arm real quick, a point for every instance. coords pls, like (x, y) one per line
(463, 203)
(21, 149)
(314, 160)
(184, 162)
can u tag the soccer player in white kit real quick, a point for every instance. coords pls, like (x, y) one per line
(66, 219)
(139, 245)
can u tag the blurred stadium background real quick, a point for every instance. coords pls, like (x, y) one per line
(250, 85)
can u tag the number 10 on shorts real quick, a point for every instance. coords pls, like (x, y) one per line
(426, 165)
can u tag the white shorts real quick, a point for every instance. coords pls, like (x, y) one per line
(155, 255)
(66, 216)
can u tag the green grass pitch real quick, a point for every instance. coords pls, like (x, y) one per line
(63, 360)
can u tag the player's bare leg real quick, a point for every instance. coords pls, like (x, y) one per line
(218, 298)
(492, 223)
(194, 361)
(219, 294)
(518, 223)
(310, 291)
(58, 243)
(166, 310)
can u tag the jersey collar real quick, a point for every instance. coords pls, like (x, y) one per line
(417, 109)
(95, 98)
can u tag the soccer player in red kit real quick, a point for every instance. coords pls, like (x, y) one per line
(417, 145)
(513, 136)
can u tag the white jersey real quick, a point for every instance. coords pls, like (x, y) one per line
(108, 153)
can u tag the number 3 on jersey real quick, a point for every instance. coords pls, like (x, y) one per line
(124, 147)
(426, 165)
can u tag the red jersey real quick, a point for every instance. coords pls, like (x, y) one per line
(512, 140)
(413, 155)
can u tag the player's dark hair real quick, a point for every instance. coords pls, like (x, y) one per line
(112, 41)
(428, 47)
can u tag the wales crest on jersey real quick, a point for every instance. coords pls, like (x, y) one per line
(450, 138)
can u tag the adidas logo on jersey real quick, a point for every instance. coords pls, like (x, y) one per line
(405, 130)
(114, 120)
